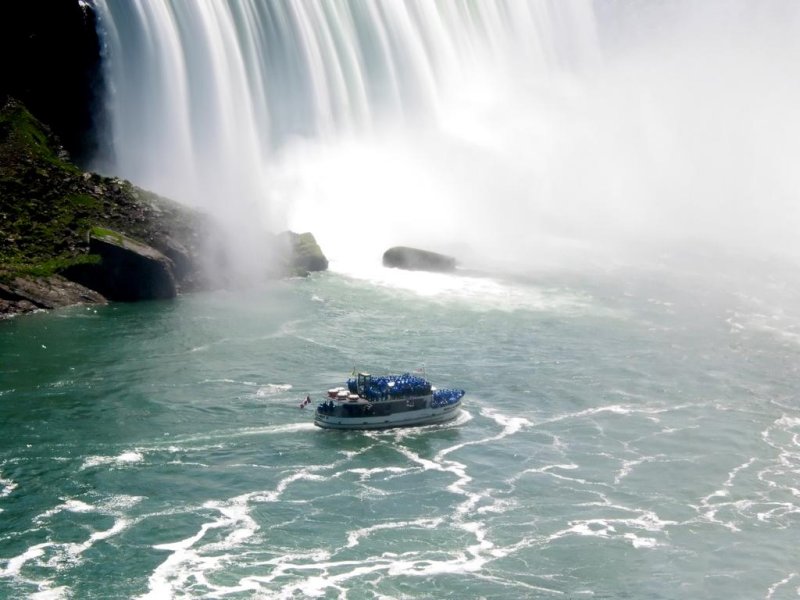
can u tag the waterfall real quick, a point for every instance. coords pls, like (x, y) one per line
(495, 129)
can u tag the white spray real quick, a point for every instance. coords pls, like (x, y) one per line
(530, 132)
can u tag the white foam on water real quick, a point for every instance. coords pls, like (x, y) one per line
(609, 528)
(14, 565)
(190, 560)
(728, 483)
(427, 465)
(617, 527)
(776, 483)
(187, 562)
(77, 506)
(510, 425)
(188, 463)
(590, 527)
(225, 380)
(324, 581)
(354, 537)
(283, 484)
(315, 574)
(779, 584)
(74, 551)
(243, 432)
(316, 586)
(628, 466)
(400, 434)
(130, 457)
(119, 503)
(781, 509)
(617, 409)
(55, 556)
(13, 570)
(463, 515)
(121, 460)
(551, 471)
(273, 389)
(783, 328)
(61, 383)
(472, 292)
(70, 505)
(641, 542)
(57, 593)
(6, 486)
(499, 507)
(114, 505)
(366, 474)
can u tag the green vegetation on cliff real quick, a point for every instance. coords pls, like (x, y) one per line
(50, 213)
(48, 206)
(69, 236)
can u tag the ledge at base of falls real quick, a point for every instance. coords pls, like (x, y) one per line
(69, 237)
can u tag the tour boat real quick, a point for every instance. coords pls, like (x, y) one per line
(388, 401)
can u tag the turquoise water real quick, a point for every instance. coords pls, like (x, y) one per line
(628, 435)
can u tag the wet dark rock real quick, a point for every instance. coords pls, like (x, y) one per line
(126, 271)
(414, 259)
(48, 207)
(58, 223)
(26, 293)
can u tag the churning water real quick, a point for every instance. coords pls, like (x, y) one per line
(631, 436)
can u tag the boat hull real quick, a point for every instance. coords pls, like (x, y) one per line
(411, 418)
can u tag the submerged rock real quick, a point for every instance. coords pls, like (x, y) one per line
(414, 259)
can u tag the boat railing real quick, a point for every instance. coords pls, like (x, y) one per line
(391, 386)
(446, 397)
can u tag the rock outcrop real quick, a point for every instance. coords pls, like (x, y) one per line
(26, 294)
(300, 253)
(126, 270)
(48, 207)
(58, 223)
(414, 259)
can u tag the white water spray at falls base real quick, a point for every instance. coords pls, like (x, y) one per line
(515, 132)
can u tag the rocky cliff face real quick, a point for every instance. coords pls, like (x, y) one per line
(49, 207)
(69, 236)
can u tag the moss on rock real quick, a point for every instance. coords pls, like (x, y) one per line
(49, 207)
(50, 211)
(301, 253)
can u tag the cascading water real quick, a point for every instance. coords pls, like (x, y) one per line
(321, 115)
(530, 131)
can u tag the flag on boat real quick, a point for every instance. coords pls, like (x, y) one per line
(305, 402)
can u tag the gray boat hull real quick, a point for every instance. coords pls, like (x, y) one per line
(410, 418)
